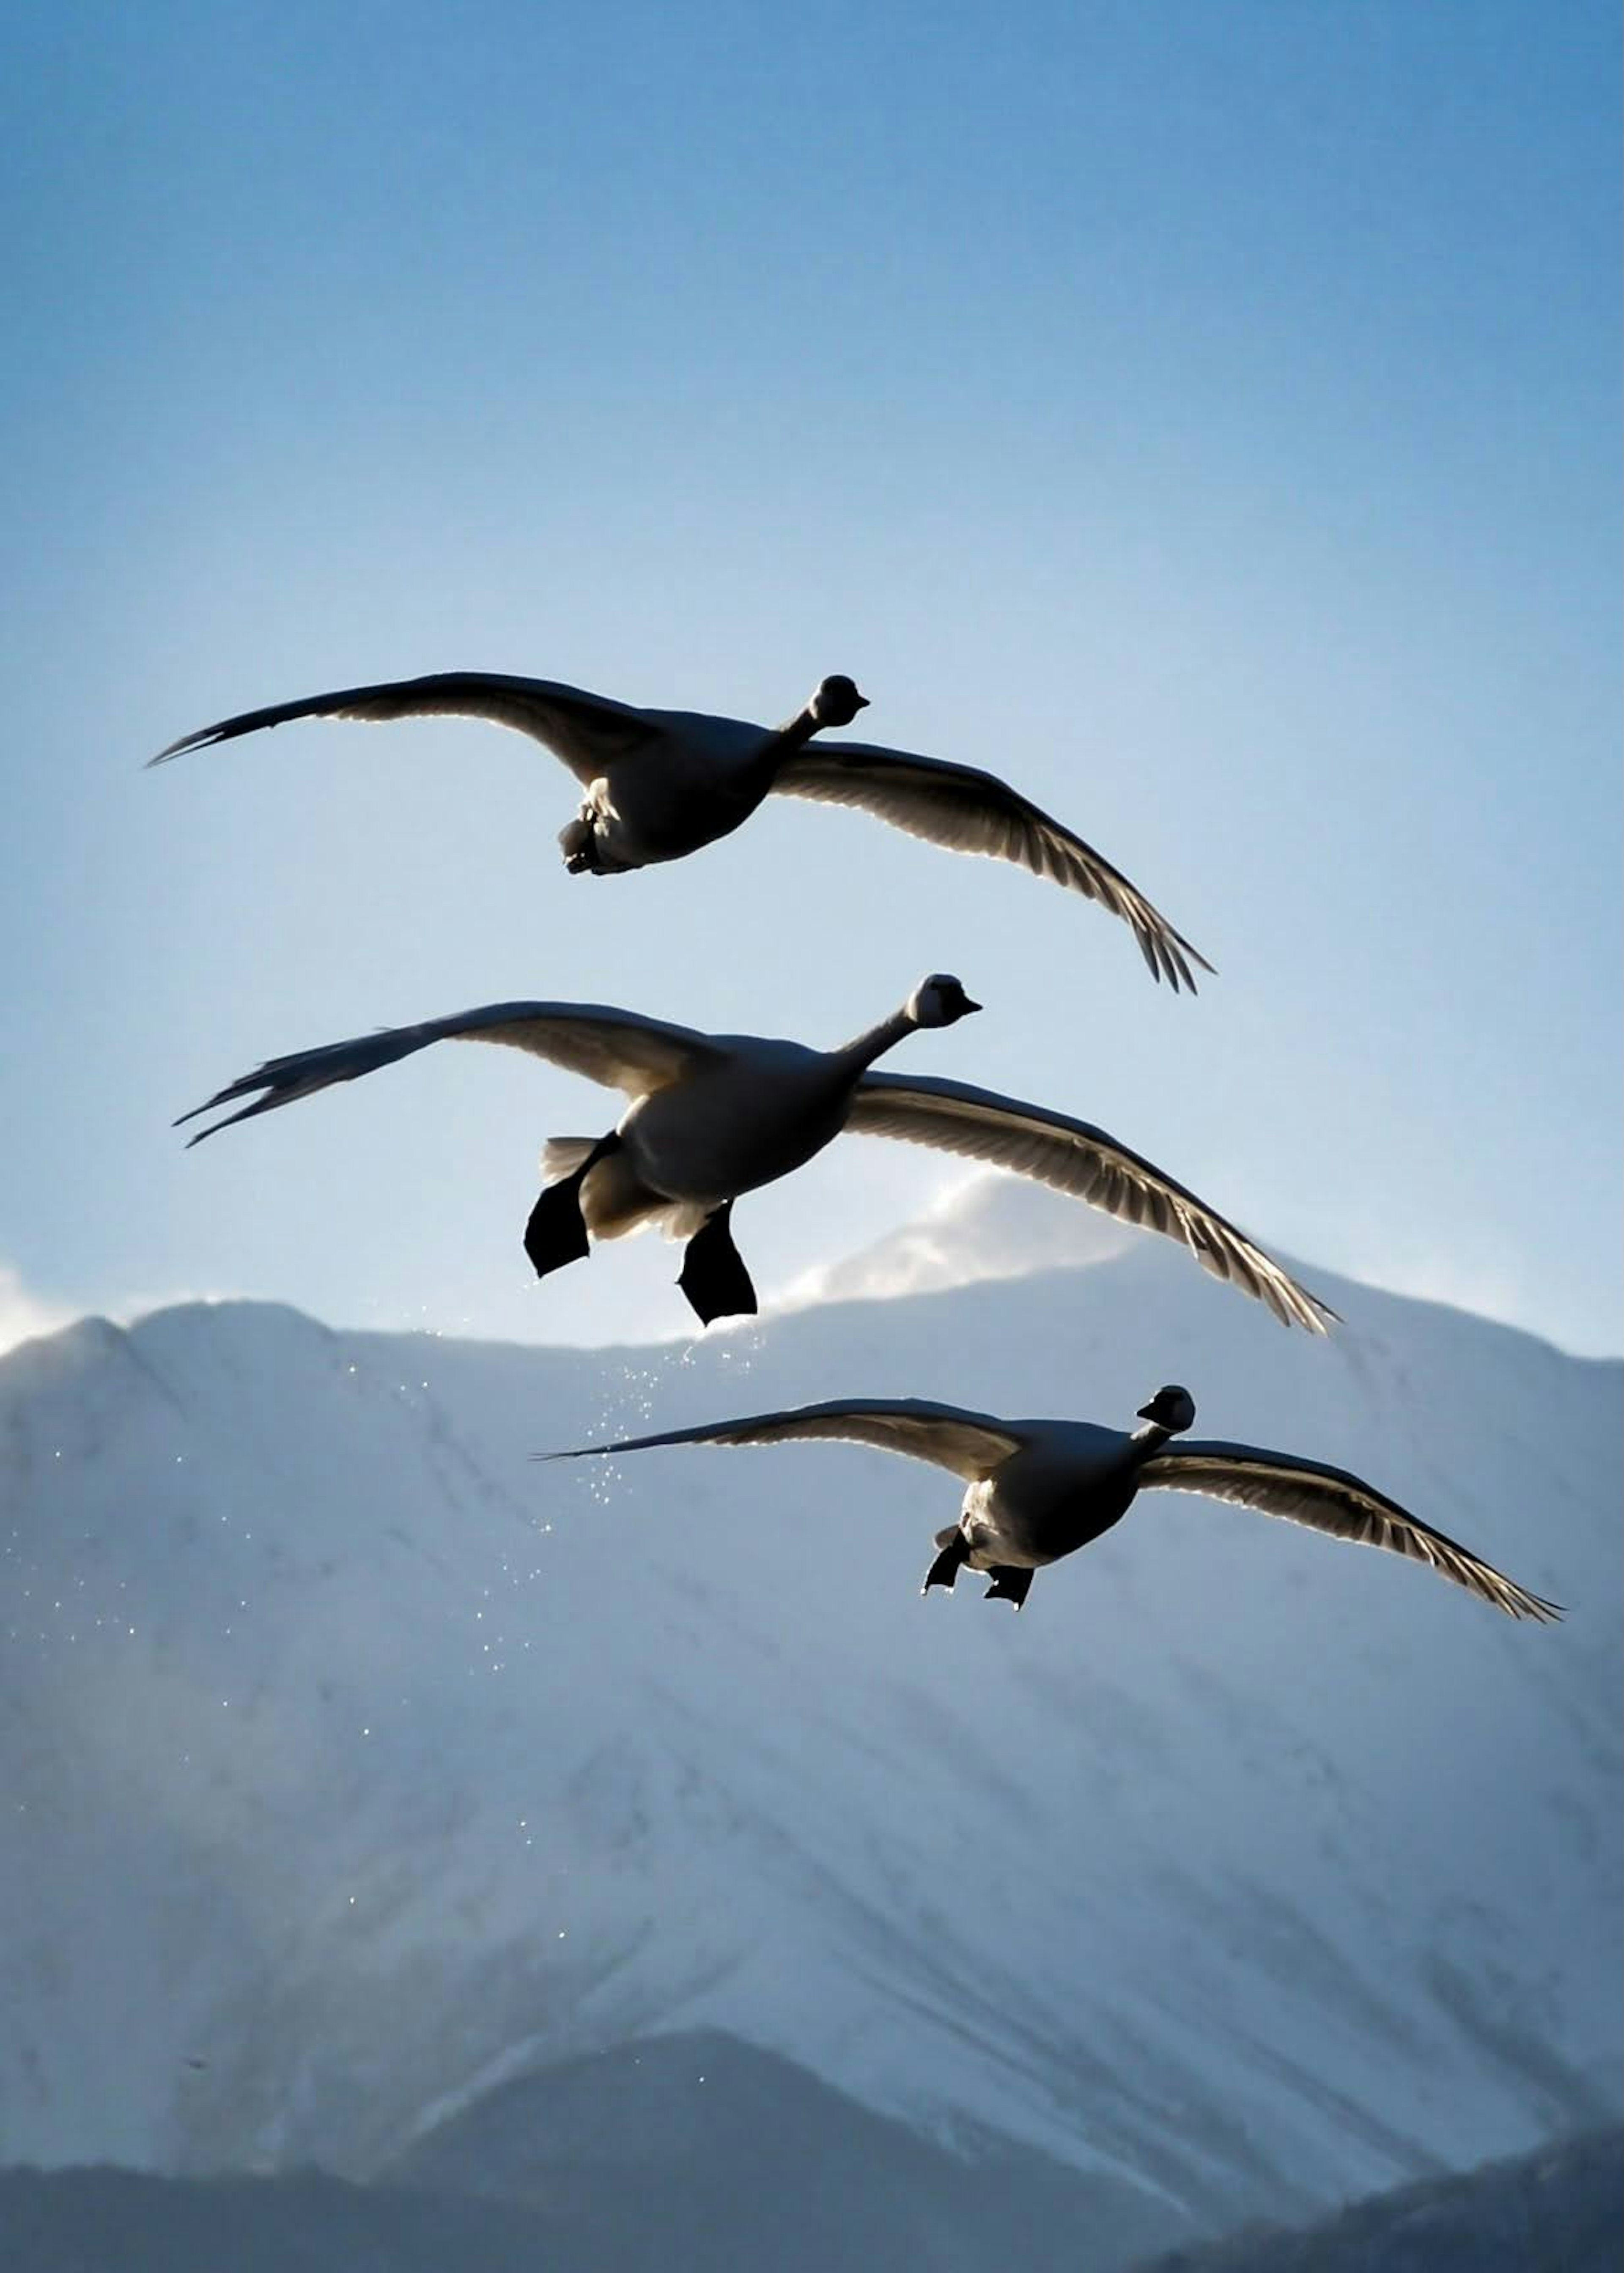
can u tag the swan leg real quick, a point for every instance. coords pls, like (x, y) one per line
(556, 1233)
(713, 1276)
(949, 1563)
(1008, 1584)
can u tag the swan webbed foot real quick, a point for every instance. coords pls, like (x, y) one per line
(713, 1276)
(948, 1563)
(578, 843)
(556, 1233)
(1008, 1585)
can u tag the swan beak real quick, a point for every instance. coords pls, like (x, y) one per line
(1145, 1413)
(863, 701)
(968, 1005)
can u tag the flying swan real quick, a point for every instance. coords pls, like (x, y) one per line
(1040, 1490)
(659, 784)
(716, 1116)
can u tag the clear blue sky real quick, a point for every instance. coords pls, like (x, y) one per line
(1203, 413)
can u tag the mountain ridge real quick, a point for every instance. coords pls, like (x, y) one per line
(811, 1814)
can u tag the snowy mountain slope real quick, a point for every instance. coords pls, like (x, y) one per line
(350, 1752)
(988, 1226)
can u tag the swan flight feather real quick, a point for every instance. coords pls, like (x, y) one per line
(970, 1444)
(966, 810)
(616, 1047)
(584, 730)
(1076, 1158)
(1331, 1500)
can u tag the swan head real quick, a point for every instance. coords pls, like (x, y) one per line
(1171, 1408)
(836, 701)
(939, 1000)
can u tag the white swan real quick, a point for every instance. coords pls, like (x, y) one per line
(1039, 1489)
(660, 783)
(714, 1115)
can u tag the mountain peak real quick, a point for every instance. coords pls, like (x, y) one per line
(990, 1227)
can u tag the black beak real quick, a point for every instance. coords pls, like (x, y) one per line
(1148, 1412)
(862, 702)
(968, 1005)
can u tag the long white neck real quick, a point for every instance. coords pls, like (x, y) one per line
(779, 747)
(859, 1055)
(797, 730)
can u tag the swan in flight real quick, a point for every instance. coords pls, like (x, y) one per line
(716, 1116)
(659, 784)
(1040, 1490)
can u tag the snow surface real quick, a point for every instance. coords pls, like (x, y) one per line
(984, 1227)
(353, 1763)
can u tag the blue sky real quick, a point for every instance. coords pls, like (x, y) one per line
(1203, 415)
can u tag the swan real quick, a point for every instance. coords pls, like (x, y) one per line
(716, 1116)
(1040, 1490)
(660, 783)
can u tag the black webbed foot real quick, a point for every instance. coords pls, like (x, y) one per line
(1008, 1585)
(713, 1276)
(556, 1233)
(578, 844)
(948, 1563)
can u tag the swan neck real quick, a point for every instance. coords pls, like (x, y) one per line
(1149, 1439)
(859, 1055)
(779, 746)
(795, 734)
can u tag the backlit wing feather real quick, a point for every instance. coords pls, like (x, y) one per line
(586, 730)
(970, 1444)
(969, 810)
(1332, 1501)
(614, 1047)
(1074, 1157)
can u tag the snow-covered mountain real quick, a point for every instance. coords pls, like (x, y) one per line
(354, 1765)
(989, 1226)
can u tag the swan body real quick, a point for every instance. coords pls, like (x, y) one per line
(658, 785)
(713, 1116)
(1038, 1490)
(763, 1110)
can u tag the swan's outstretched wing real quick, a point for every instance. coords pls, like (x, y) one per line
(616, 1047)
(586, 730)
(969, 810)
(1076, 1158)
(1331, 1500)
(972, 1444)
